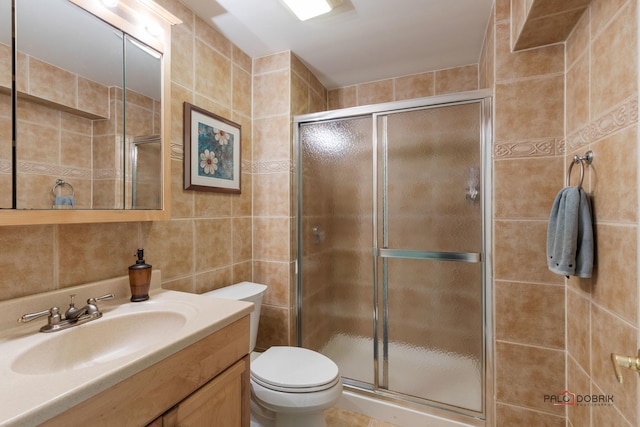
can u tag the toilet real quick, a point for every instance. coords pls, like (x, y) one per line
(290, 386)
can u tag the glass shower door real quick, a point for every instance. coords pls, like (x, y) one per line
(429, 272)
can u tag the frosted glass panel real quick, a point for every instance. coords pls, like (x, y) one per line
(336, 237)
(433, 157)
(435, 331)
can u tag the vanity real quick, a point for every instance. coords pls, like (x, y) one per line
(176, 359)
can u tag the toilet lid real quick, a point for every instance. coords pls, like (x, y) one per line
(294, 369)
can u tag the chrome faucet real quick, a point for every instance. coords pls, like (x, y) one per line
(72, 317)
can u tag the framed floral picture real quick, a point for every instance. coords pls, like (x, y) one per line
(211, 151)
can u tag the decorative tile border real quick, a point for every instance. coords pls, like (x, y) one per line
(272, 166)
(53, 170)
(529, 148)
(616, 119)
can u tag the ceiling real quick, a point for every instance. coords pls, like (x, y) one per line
(360, 40)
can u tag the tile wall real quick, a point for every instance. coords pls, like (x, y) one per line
(550, 103)
(283, 87)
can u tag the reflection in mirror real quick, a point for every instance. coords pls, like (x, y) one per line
(6, 199)
(146, 185)
(69, 115)
(143, 189)
(85, 90)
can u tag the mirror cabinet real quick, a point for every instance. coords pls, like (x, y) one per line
(84, 111)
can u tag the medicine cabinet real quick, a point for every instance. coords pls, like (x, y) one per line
(84, 111)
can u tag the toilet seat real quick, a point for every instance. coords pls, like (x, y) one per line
(294, 370)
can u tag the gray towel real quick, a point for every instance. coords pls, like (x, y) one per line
(570, 234)
(61, 202)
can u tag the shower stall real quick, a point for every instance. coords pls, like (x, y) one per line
(393, 260)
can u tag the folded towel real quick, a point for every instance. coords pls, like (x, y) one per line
(570, 234)
(64, 202)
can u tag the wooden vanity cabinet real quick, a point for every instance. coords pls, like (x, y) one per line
(205, 384)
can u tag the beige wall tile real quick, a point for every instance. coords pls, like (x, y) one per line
(616, 44)
(276, 276)
(273, 328)
(528, 63)
(612, 176)
(524, 374)
(271, 94)
(52, 83)
(277, 61)
(530, 314)
(271, 196)
(182, 71)
(271, 239)
(518, 115)
(170, 247)
(271, 140)
(578, 95)
(578, 382)
(342, 98)
(615, 274)
(212, 205)
(459, 79)
(578, 329)
(375, 92)
(414, 86)
(212, 74)
(214, 279)
(579, 40)
(610, 334)
(242, 243)
(520, 248)
(211, 241)
(86, 251)
(212, 37)
(508, 415)
(241, 91)
(526, 188)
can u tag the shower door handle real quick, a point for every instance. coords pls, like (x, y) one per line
(473, 257)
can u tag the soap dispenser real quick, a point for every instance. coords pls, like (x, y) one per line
(140, 278)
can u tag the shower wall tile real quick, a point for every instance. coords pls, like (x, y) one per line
(528, 63)
(507, 415)
(520, 248)
(611, 334)
(375, 92)
(414, 86)
(578, 113)
(519, 191)
(343, 97)
(524, 374)
(615, 44)
(578, 329)
(615, 277)
(615, 173)
(518, 115)
(578, 381)
(530, 313)
(458, 79)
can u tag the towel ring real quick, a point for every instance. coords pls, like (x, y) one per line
(587, 158)
(61, 183)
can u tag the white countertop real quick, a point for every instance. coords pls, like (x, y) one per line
(32, 393)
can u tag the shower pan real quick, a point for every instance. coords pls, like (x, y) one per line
(393, 238)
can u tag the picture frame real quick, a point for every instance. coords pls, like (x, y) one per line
(211, 151)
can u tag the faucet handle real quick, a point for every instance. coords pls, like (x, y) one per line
(53, 313)
(100, 298)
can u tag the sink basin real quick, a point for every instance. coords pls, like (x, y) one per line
(100, 341)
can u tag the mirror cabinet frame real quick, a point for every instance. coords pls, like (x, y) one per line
(121, 17)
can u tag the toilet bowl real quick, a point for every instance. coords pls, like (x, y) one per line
(290, 386)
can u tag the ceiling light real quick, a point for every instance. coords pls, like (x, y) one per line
(307, 9)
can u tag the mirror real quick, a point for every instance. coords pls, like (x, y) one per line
(87, 93)
(6, 111)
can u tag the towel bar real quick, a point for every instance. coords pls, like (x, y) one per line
(587, 158)
(60, 183)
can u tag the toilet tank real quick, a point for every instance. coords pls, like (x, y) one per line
(244, 291)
